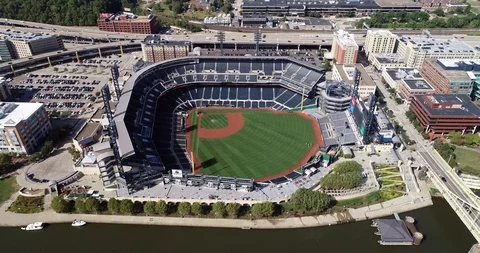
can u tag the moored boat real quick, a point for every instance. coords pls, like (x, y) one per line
(34, 226)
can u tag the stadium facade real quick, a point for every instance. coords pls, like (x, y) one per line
(149, 113)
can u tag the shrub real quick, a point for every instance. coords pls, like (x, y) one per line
(149, 208)
(306, 200)
(60, 205)
(161, 207)
(263, 210)
(197, 209)
(126, 206)
(344, 175)
(219, 209)
(184, 208)
(233, 209)
(113, 206)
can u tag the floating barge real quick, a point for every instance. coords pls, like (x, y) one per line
(397, 231)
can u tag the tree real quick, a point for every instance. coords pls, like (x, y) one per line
(74, 152)
(184, 208)
(327, 65)
(306, 200)
(197, 209)
(149, 208)
(113, 206)
(5, 163)
(233, 209)
(97, 94)
(92, 99)
(92, 205)
(219, 209)
(80, 206)
(47, 148)
(263, 210)
(177, 7)
(346, 175)
(126, 206)
(161, 208)
(439, 12)
(60, 205)
(55, 69)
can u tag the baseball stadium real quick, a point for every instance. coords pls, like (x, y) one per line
(223, 122)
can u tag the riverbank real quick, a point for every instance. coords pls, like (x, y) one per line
(402, 204)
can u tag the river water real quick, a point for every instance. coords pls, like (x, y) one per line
(444, 232)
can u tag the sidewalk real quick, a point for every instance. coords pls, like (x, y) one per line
(402, 204)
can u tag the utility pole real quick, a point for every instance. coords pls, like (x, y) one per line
(221, 39)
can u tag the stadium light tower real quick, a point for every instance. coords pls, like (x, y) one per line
(221, 39)
(257, 37)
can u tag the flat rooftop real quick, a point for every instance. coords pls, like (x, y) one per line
(397, 3)
(417, 84)
(26, 36)
(159, 40)
(124, 17)
(389, 58)
(316, 21)
(453, 74)
(346, 72)
(345, 38)
(382, 32)
(13, 113)
(451, 105)
(404, 73)
(87, 131)
(435, 45)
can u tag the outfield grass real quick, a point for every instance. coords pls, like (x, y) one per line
(7, 187)
(468, 160)
(214, 120)
(267, 144)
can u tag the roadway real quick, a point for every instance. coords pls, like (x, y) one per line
(424, 148)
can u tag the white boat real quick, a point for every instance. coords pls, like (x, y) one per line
(78, 223)
(34, 226)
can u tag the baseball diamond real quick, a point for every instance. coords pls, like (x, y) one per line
(246, 143)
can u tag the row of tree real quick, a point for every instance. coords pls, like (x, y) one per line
(62, 12)
(418, 20)
(302, 201)
(446, 151)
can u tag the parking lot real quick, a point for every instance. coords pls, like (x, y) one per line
(69, 89)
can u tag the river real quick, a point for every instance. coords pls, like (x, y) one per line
(444, 232)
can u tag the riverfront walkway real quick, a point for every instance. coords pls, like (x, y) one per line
(402, 204)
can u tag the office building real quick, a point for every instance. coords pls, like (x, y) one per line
(28, 44)
(413, 87)
(23, 127)
(344, 48)
(346, 74)
(127, 22)
(448, 76)
(441, 114)
(386, 61)
(414, 50)
(6, 51)
(5, 93)
(434, 4)
(306, 7)
(380, 42)
(156, 49)
(393, 78)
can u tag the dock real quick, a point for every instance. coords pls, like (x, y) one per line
(397, 231)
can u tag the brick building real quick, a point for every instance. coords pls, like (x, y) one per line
(344, 48)
(156, 49)
(441, 114)
(447, 77)
(128, 23)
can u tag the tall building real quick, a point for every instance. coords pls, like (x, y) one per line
(344, 48)
(414, 50)
(346, 73)
(380, 42)
(127, 22)
(6, 51)
(441, 114)
(5, 93)
(156, 49)
(29, 44)
(448, 76)
(23, 127)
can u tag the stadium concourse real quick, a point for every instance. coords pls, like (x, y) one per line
(149, 123)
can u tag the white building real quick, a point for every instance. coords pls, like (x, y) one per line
(380, 42)
(29, 44)
(346, 73)
(23, 127)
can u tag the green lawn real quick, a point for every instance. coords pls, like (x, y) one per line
(213, 120)
(7, 187)
(468, 160)
(267, 144)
